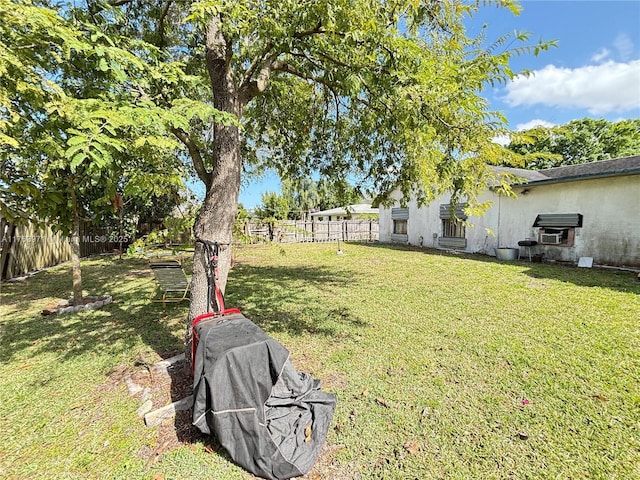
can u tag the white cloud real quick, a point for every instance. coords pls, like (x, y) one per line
(608, 87)
(505, 140)
(624, 45)
(600, 55)
(534, 123)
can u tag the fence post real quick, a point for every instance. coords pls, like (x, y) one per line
(7, 244)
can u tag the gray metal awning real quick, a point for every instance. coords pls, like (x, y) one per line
(558, 220)
(399, 213)
(446, 213)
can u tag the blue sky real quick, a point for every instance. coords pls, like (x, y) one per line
(594, 71)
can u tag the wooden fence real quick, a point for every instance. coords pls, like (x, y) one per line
(25, 248)
(298, 231)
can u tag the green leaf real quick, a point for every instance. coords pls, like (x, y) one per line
(77, 160)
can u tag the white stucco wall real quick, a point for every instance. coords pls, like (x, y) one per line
(425, 221)
(611, 220)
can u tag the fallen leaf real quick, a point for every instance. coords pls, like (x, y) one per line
(365, 392)
(412, 447)
(383, 402)
(157, 476)
(209, 449)
(600, 397)
(307, 433)
(382, 461)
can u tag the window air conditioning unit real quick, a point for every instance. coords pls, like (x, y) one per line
(551, 238)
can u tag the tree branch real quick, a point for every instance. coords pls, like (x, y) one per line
(196, 156)
(257, 62)
(160, 24)
(215, 42)
(265, 61)
(287, 68)
(219, 53)
(252, 88)
(313, 31)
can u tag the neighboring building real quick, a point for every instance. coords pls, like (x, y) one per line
(586, 210)
(351, 212)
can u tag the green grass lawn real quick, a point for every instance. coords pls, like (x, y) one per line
(445, 366)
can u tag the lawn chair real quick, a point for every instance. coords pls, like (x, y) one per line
(172, 281)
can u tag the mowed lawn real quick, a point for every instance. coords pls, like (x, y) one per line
(445, 366)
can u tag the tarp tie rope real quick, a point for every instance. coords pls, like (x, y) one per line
(215, 298)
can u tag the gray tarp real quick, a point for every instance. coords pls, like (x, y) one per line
(271, 419)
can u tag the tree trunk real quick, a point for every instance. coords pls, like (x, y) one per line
(75, 249)
(121, 221)
(219, 209)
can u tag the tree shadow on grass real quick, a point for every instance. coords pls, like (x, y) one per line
(619, 280)
(117, 327)
(294, 300)
(130, 324)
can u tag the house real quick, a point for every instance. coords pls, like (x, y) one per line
(351, 212)
(587, 210)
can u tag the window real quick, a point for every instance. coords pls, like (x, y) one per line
(400, 217)
(400, 227)
(453, 228)
(453, 222)
(560, 237)
(557, 228)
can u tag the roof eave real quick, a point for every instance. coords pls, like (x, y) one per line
(573, 178)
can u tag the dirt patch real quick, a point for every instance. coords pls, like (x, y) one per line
(334, 381)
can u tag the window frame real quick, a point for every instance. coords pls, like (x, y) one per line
(453, 224)
(403, 223)
(453, 228)
(400, 216)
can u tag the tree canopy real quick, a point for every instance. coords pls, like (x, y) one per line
(297, 200)
(387, 93)
(578, 141)
(75, 131)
